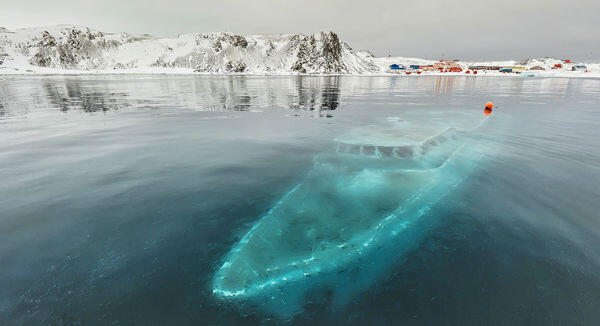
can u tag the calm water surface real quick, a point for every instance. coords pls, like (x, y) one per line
(120, 195)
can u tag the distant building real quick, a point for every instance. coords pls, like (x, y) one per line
(397, 68)
(484, 67)
(447, 66)
(579, 68)
(537, 68)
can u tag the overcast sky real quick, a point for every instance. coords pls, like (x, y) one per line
(463, 29)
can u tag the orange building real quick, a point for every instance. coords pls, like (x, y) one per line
(447, 66)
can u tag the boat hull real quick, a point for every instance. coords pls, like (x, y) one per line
(342, 228)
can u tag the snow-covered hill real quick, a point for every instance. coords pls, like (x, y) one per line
(78, 48)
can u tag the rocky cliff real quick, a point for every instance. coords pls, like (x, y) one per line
(67, 47)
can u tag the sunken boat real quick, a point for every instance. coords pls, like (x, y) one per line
(357, 211)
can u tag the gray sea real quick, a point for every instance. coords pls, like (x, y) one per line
(121, 197)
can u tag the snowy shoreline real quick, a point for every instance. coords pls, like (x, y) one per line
(80, 50)
(187, 72)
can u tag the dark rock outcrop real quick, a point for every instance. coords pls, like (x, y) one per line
(71, 49)
(235, 66)
(318, 53)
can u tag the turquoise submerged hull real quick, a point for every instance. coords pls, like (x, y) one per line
(343, 227)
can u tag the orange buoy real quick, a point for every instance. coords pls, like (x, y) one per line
(489, 105)
(487, 111)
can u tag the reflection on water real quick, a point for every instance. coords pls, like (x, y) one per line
(74, 95)
(319, 96)
(121, 195)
